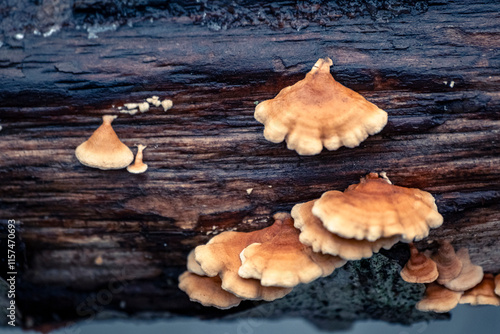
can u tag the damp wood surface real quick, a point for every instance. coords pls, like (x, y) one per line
(434, 70)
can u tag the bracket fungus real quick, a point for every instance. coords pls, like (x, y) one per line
(138, 166)
(318, 111)
(193, 266)
(221, 256)
(482, 294)
(470, 275)
(207, 291)
(419, 268)
(448, 264)
(103, 149)
(438, 299)
(283, 260)
(314, 234)
(375, 208)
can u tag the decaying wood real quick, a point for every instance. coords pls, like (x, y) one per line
(435, 71)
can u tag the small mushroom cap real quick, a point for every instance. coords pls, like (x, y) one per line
(438, 299)
(318, 111)
(374, 209)
(103, 149)
(470, 275)
(207, 291)
(419, 268)
(138, 166)
(221, 256)
(497, 284)
(167, 104)
(193, 266)
(482, 294)
(314, 234)
(284, 260)
(448, 264)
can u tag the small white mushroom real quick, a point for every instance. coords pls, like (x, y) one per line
(143, 107)
(167, 104)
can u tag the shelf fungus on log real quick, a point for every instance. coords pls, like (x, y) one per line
(448, 264)
(103, 149)
(470, 275)
(438, 299)
(207, 291)
(375, 208)
(284, 260)
(138, 166)
(318, 111)
(314, 234)
(419, 268)
(482, 294)
(221, 257)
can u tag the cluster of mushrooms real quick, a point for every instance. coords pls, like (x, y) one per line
(104, 150)
(323, 234)
(318, 236)
(311, 242)
(451, 279)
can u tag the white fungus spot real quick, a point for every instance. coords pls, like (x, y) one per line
(452, 83)
(143, 107)
(131, 105)
(167, 104)
(249, 191)
(53, 29)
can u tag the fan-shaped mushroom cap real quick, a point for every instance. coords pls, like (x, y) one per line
(314, 234)
(193, 266)
(221, 256)
(482, 294)
(448, 264)
(284, 260)
(470, 275)
(374, 208)
(207, 291)
(419, 268)
(319, 111)
(138, 166)
(497, 284)
(103, 149)
(438, 299)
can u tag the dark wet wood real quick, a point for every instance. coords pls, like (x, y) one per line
(435, 72)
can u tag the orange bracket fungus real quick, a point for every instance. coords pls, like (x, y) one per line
(318, 111)
(283, 260)
(207, 291)
(221, 256)
(448, 264)
(482, 294)
(314, 234)
(438, 299)
(419, 268)
(374, 208)
(138, 166)
(103, 149)
(193, 266)
(470, 275)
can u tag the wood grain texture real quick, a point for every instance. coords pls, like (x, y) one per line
(435, 71)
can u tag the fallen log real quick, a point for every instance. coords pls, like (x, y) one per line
(432, 67)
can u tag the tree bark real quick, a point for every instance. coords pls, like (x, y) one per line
(433, 67)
